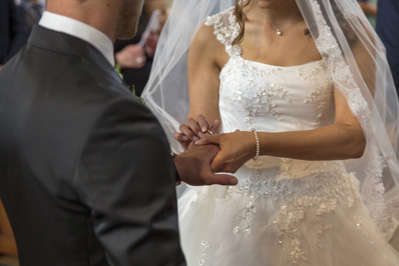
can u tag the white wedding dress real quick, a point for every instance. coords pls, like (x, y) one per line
(283, 211)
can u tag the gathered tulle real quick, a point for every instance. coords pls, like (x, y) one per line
(313, 220)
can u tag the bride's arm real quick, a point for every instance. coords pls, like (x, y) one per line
(342, 140)
(203, 74)
(203, 80)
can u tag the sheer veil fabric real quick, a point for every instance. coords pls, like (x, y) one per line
(358, 67)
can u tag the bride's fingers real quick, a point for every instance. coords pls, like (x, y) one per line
(193, 126)
(180, 137)
(185, 130)
(215, 126)
(203, 123)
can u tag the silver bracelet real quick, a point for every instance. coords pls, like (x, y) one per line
(257, 145)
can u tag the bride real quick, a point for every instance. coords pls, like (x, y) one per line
(309, 125)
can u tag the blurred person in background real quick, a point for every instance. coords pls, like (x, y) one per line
(13, 32)
(32, 11)
(7, 242)
(169, 4)
(369, 7)
(388, 30)
(134, 60)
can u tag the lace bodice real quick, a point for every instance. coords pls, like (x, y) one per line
(296, 208)
(274, 99)
(269, 98)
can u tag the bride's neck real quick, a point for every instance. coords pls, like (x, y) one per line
(275, 12)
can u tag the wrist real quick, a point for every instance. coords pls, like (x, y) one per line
(177, 176)
(252, 147)
(248, 144)
(257, 144)
(119, 60)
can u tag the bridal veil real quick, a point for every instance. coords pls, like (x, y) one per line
(357, 64)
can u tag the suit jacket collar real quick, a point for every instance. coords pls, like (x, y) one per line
(70, 26)
(63, 43)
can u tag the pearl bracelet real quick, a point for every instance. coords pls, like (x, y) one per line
(257, 145)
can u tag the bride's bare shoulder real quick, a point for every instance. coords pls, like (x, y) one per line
(220, 27)
(205, 41)
(206, 34)
(214, 36)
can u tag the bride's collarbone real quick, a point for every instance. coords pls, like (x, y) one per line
(291, 49)
(280, 54)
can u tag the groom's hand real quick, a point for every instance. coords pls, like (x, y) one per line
(235, 149)
(194, 167)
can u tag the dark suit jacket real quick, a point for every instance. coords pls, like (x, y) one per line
(85, 172)
(388, 31)
(13, 31)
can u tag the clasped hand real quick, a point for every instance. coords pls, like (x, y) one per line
(236, 148)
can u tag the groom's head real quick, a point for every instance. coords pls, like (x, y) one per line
(118, 19)
(128, 18)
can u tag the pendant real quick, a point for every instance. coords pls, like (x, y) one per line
(279, 32)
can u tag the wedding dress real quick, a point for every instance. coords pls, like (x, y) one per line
(283, 211)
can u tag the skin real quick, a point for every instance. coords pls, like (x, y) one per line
(151, 5)
(342, 140)
(118, 19)
(7, 242)
(127, 57)
(368, 9)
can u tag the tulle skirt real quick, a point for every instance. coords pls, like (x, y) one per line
(290, 213)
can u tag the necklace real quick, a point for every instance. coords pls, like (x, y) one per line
(278, 31)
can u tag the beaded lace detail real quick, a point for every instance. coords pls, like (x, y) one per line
(267, 99)
(316, 195)
(272, 98)
(253, 89)
(257, 94)
(202, 252)
(373, 188)
(226, 30)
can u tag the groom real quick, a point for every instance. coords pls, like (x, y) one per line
(85, 171)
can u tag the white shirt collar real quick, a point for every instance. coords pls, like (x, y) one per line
(79, 30)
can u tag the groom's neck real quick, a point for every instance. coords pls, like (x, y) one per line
(100, 14)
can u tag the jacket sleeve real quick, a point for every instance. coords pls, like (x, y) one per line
(126, 177)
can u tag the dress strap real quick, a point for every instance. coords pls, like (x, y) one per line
(226, 30)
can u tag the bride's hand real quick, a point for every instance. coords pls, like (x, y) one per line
(235, 149)
(194, 130)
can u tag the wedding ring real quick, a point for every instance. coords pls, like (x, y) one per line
(139, 60)
(210, 132)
